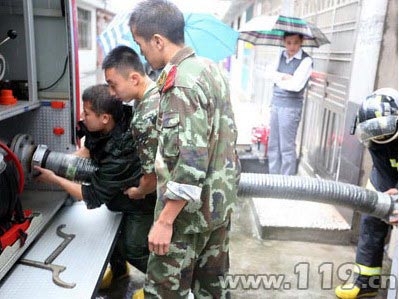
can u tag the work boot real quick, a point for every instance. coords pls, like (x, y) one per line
(139, 294)
(364, 286)
(110, 276)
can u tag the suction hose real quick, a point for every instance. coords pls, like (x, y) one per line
(69, 166)
(251, 185)
(377, 204)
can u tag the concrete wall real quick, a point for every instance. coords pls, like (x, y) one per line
(387, 69)
(387, 73)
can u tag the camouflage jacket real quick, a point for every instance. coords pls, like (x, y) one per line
(143, 128)
(196, 159)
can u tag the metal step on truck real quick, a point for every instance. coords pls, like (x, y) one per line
(50, 245)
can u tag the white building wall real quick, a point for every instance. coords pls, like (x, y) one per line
(94, 3)
(88, 58)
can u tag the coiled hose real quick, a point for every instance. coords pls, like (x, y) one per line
(377, 204)
(11, 186)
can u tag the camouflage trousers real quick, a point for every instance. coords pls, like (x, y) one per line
(194, 261)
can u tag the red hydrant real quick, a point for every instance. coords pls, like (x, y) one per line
(260, 135)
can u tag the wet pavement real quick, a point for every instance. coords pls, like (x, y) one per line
(299, 269)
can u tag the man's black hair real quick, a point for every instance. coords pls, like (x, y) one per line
(103, 102)
(292, 34)
(124, 59)
(162, 17)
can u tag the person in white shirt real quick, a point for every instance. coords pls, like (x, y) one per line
(290, 80)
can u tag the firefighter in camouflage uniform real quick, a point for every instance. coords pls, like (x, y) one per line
(127, 80)
(196, 163)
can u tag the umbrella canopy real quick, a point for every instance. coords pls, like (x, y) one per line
(269, 30)
(208, 36)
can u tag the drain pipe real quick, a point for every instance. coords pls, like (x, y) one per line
(377, 204)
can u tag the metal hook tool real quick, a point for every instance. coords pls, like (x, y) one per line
(55, 269)
(67, 239)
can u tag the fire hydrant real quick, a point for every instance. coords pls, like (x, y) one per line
(260, 135)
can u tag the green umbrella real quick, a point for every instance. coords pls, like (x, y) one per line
(269, 30)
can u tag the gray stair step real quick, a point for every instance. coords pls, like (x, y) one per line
(283, 219)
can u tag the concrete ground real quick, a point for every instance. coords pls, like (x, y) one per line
(308, 270)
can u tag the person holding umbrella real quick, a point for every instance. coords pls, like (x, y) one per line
(290, 76)
(290, 80)
(196, 163)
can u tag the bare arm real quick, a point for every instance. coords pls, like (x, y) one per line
(48, 176)
(161, 232)
(148, 184)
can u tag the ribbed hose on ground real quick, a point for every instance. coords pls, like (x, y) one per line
(366, 201)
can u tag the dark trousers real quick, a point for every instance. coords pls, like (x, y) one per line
(370, 248)
(132, 243)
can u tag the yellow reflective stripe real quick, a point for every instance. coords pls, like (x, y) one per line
(368, 271)
(378, 113)
(370, 186)
(394, 162)
(248, 45)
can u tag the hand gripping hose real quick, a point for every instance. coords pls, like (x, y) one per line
(377, 204)
(69, 166)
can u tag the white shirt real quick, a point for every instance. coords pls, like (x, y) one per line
(298, 79)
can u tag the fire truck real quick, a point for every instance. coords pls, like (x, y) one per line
(51, 246)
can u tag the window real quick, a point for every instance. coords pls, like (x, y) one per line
(84, 28)
(249, 13)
